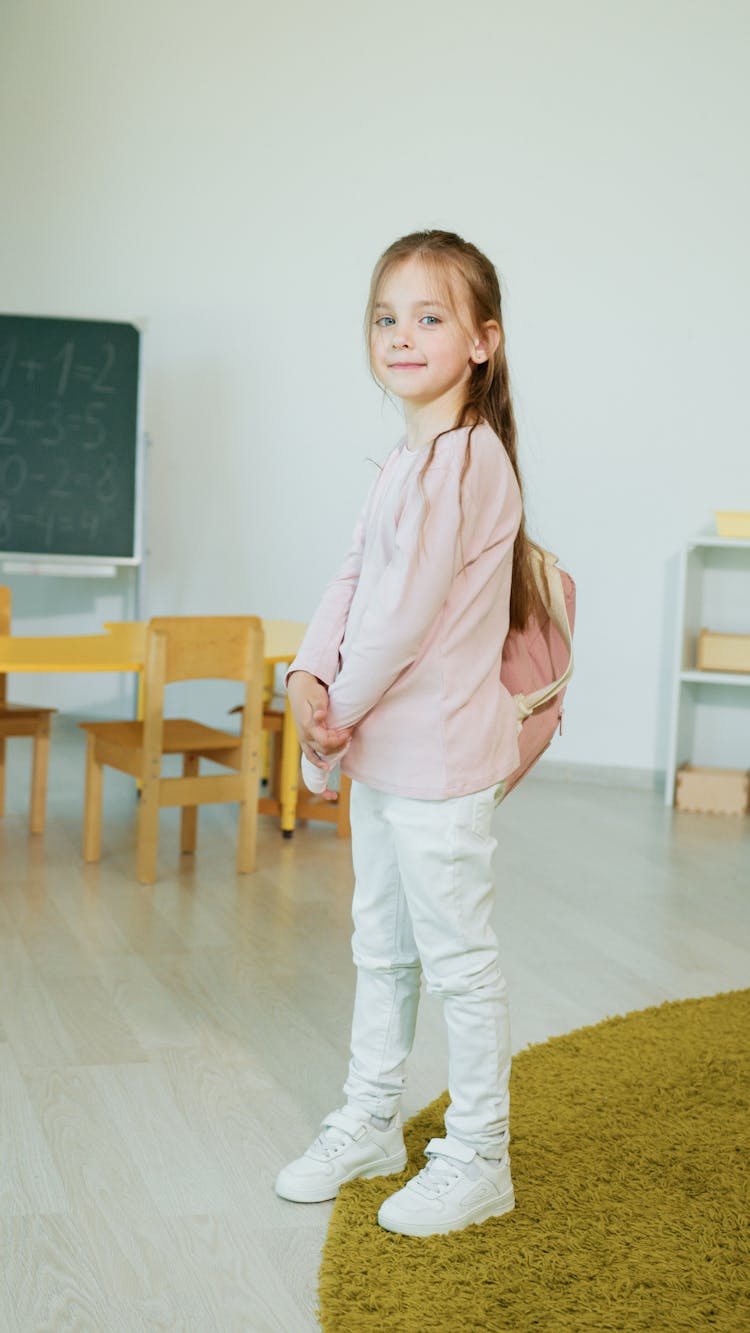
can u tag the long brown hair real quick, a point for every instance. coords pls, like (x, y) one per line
(488, 397)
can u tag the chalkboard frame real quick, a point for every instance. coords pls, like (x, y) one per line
(51, 560)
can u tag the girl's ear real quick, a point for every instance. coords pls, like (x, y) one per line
(486, 344)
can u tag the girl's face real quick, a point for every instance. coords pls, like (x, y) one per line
(421, 348)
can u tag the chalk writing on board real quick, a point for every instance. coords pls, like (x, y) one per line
(68, 436)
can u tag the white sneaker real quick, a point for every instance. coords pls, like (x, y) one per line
(348, 1146)
(456, 1188)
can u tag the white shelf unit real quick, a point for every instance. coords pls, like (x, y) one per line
(714, 594)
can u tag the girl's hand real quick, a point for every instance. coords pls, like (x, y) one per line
(322, 745)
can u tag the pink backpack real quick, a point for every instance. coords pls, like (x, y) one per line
(538, 663)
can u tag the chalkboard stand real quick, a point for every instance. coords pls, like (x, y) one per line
(78, 569)
(47, 567)
(72, 455)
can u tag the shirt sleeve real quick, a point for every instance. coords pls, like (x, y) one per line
(409, 596)
(319, 650)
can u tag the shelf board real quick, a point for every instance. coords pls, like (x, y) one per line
(716, 677)
(709, 537)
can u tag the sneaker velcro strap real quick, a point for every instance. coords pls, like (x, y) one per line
(449, 1147)
(346, 1122)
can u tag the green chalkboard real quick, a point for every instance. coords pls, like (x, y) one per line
(68, 437)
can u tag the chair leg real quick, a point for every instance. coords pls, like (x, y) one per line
(2, 777)
(92, 804)
(247, 828)
(39, 770)
(147, 838)
(290, 755)
(276, 765)
(269, 673)
(189, 815)
(343, 826)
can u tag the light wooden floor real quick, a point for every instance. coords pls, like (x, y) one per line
(164, 1050)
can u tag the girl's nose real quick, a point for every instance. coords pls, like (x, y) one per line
(400, 339)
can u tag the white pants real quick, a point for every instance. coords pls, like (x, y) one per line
(423, 901)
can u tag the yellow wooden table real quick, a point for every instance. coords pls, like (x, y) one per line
(123, 648)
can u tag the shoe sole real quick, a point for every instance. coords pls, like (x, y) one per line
(387, 1167)
(481, 1213)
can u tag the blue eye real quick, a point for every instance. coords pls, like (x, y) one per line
(384, 320)
(433, 319)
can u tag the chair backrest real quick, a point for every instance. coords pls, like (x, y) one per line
(202, 648)
(208, 647)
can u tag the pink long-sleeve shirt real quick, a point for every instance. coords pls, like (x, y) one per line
(409, 634)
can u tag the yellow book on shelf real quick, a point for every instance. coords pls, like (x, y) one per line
(733, 523)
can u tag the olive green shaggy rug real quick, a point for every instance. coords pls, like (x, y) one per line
(630, 1159)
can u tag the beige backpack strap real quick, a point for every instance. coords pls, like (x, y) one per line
(526, 704)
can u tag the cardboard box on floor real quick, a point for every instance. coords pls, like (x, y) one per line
(713, 791)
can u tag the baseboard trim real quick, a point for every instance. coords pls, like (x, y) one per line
(602, 775)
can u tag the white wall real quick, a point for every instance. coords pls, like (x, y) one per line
(230, 172)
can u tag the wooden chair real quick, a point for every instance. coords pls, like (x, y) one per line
(24, 720)
(184, 648)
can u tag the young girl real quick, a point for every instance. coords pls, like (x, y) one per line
(399, 677)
